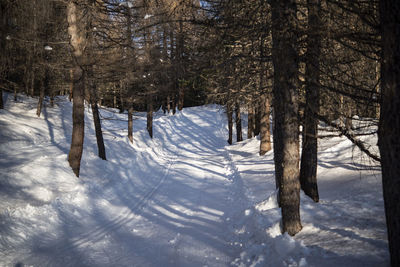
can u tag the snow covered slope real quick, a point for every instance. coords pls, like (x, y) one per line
(184, 198)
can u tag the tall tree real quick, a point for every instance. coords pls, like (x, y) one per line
(285, 101)
(308, 169)
(77, 30)
(389, 125)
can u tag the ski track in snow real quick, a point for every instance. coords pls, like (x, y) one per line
(183, 198)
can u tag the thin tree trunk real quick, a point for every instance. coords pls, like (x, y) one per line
(150, 115)
(40, 101)
(286, 129)
(130, 123)
(309, 161)
(250, 121)
(71, 84)
(168, 104)
(181, 97)
(389, 124)
(173, 104)
(1, 99)
(265, 127)
(257, 118)
(230, 122)
(99, 133)
(239, 136)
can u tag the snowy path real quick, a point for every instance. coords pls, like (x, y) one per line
(183, 198)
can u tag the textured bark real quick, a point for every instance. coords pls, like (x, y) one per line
(257, 119)
(78, 121)
(389, 125)
(230, 123)
(265, 132)
(286, 129)
(77, 31)
(308, 166)
(150, 115)
(239, 136)
(130, 123)
(250, 122)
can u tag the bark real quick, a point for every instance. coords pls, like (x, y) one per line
(1, 99)
(286, 129)
(75, 152)
(265, 127)
(150, 115)
(99, 133)
(173, 105)
(71, 84)
(389, 125)
(250, 122)
(181, 97)
(239, 136)
(168, 104)
(257, 119)
(130, 123)
(40, 102)
(77, 31)
(309, 161)
(230, 123)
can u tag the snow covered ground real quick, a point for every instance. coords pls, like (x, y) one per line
(184, 198)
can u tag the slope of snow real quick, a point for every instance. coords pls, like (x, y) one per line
(183, 198)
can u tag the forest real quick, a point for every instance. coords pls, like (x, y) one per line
(110, 110)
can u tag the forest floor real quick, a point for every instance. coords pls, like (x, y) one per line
(183, 198)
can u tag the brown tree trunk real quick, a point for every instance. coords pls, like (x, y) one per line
(173, 104)
(150, 115)
(286, 129)
(265, 127)
(257, 119)
(181, 97)
(169, 104)
(130, 123)
(309, 161)
(71, 84)
(40, 101)
(230, 122)
(239, 136)
(389, 124)
(250, 121)
(78, 121)
(77, 31)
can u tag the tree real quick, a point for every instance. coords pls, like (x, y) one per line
(308, 169)
(78, 41)
(389, 124)
(286, 106)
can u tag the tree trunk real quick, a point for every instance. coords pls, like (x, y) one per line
(181, 97)
(130, 123)
(173, 105)
(71, 84)
(40, 102)
(309, 163)
(1, 99)
(150, 115)
(99, 133)
(239, 136)
(250, 121)
(257, 119)
(389, 124)
(265, 127)
(230, 122)
(78, 121)
(286, 129)
(168, 104)
(77, 31)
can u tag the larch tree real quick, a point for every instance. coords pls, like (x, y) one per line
(389, 124)
(286, 107)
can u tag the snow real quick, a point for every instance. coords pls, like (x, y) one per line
(184, 198)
